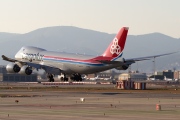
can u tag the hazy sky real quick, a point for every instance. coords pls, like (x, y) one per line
(141, 16)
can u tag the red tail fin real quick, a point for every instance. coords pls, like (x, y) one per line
(117, 45)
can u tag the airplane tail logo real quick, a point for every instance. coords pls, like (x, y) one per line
(116, 47)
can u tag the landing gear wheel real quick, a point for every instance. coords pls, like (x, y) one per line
(50, 77)
(65, 78)
(79, 77)
(76, 77)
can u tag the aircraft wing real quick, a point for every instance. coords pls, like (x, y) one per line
(47, 68)
(8, 59)
(133, 60)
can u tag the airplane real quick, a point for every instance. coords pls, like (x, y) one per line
(72, 65)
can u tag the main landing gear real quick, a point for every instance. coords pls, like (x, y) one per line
(63, 77)
(73, 77)
(50, 77)
(76, 77)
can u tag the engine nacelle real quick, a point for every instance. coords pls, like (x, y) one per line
(12, 68)
(123, 67)
(25, 70)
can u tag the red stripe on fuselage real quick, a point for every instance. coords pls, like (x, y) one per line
(71, 59)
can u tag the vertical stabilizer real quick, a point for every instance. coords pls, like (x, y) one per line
(116, 47)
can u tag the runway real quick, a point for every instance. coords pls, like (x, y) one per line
(99, 104)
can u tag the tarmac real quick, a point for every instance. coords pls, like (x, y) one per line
(99, 103)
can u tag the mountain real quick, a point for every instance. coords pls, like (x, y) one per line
(73, 39)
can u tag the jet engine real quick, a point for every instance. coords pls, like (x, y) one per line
(25, 70)
(12, 68)
(123, 67)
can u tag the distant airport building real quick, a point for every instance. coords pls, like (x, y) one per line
(124, 84)
(132, 77)
(105, 75)
(169, 74)
(91, 77)
(18, 78)
(176, 75)
(3, 69)
(5, 77)
(131, 81)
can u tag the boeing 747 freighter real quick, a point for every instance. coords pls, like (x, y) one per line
(69, 64)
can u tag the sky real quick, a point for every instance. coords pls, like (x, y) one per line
(141, 16)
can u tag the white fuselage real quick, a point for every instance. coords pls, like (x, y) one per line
(67, 62)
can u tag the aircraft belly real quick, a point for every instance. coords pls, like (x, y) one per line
(77, 68)
(70, 68)
(87, 69)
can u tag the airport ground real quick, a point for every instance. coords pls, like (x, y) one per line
(19, 101)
